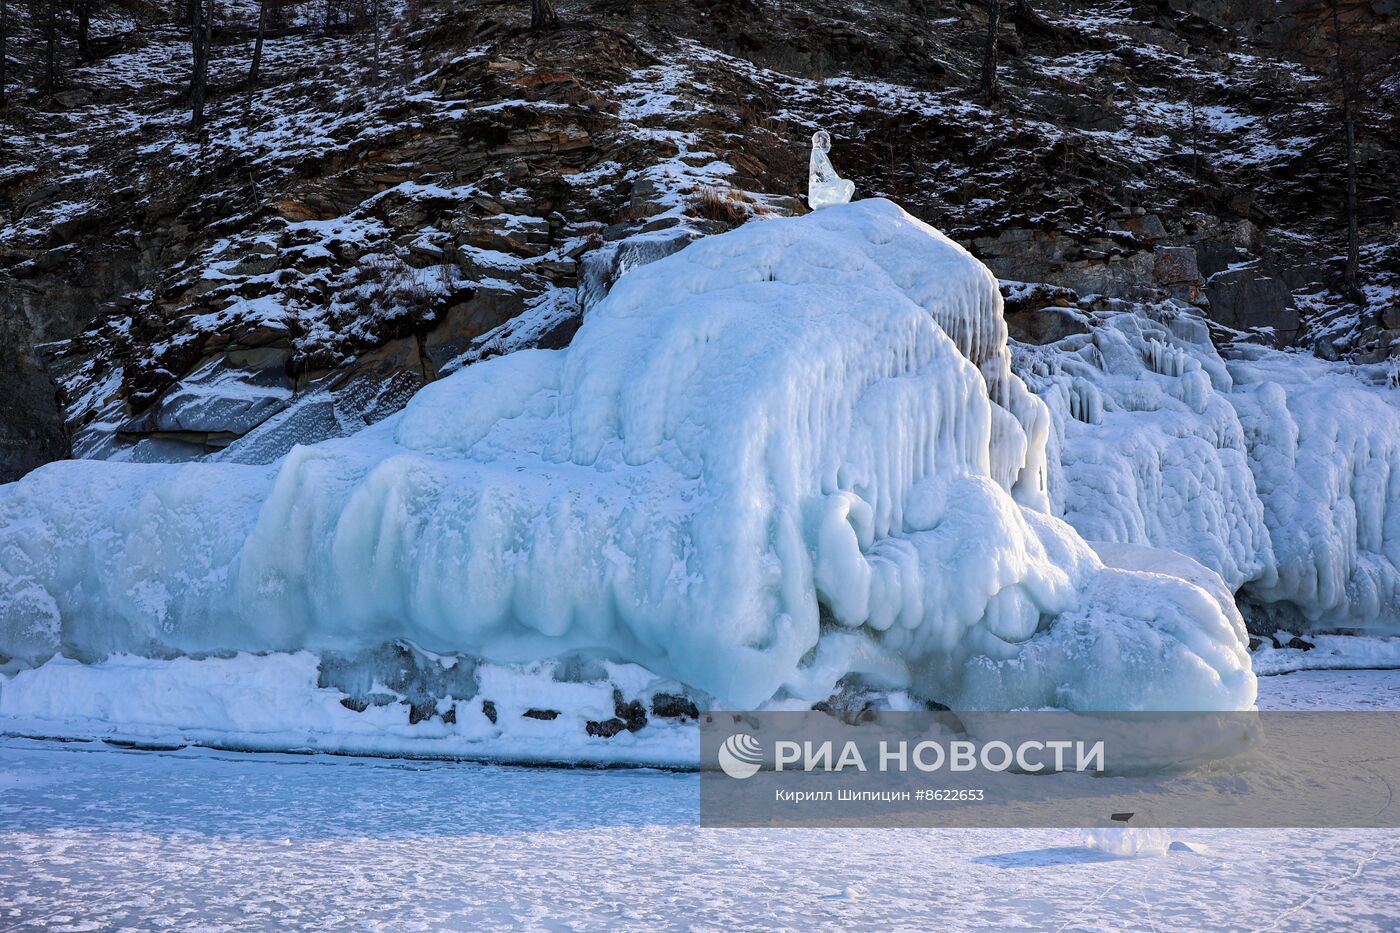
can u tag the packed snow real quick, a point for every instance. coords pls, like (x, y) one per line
(782, 456)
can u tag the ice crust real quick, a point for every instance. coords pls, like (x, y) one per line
(781, 456)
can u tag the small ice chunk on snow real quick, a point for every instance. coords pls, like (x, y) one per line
(1128, 841)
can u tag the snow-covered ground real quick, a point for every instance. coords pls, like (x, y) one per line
(93, 838)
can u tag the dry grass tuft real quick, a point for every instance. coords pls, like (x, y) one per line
(729, 206)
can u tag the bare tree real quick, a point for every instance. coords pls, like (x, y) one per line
(989, 88)
(1347, 85)
(4, 47)
(1195, 126)
(50, 43)
(83, 11)
(542, 15)
(258, 43)
(200, 31)
(376, 9)
(336, 14)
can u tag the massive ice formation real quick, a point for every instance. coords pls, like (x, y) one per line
(1147, 448)
(1278, 470)
(824, 186)
(778, 457)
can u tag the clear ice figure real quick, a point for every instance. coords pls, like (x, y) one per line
(824, 186)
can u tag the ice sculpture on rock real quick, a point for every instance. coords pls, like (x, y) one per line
(824, 186)
(784, 455)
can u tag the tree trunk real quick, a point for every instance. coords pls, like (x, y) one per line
(50, 41)
(84, 11)
(199, 40)
(989, 62)
(4, 47)
(1351, 274)
(1351, 278)
(258, 44)
(542, 15)
(376, 11)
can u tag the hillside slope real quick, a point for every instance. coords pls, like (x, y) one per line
(341, 234)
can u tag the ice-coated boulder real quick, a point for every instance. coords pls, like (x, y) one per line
(778, 457)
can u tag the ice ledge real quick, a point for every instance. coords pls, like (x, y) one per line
(520, 714)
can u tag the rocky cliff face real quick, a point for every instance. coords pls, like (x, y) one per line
(358, 223)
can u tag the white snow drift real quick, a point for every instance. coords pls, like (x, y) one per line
(783, 455)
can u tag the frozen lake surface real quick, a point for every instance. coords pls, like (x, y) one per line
(97, 838)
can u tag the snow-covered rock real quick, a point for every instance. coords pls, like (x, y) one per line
(779, 457)
(221, 400)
